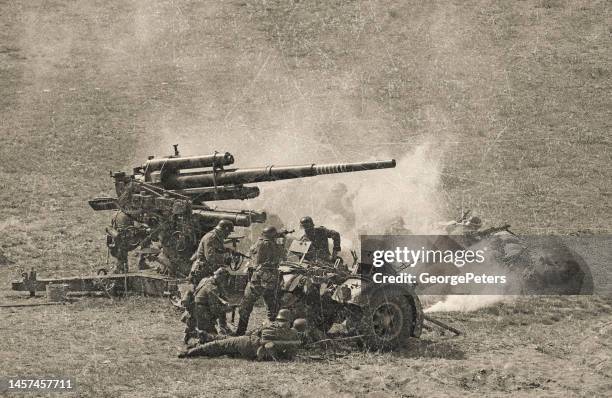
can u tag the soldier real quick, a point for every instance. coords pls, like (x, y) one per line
(318, 236)
(210, 304)
(473, 223)
(340, 203)
(397, 226)
(123, 236)
(467, 225)
(188, 317)
(271, 342)
(116, 240)
(266, 255)
(210, 253)
(306, 332)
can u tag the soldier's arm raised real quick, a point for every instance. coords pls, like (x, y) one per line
(335, 237)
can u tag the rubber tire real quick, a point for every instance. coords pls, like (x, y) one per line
(400, 309)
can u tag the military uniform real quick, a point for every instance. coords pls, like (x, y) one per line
(273, 341)
(266, 255)
(319, 247)
(188, 317)
(119, 245)
(176, 253)
(311, 335)
(210, 305)
(209, 256)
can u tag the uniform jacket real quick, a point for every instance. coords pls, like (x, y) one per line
(211, 295)
(319, 248)
(266, 255)
(276, 331)
(211, 249)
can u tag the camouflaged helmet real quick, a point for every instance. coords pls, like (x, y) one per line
(284, 315)
(306, 222)
(269, 232)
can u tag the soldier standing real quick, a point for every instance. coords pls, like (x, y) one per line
(120, 235)
(274, 341)
(210, 304)
(318, 236)
(266, 255)
(210, 254)
(397, 226)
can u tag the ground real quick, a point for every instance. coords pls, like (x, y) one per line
(529, 347)
(511, 99)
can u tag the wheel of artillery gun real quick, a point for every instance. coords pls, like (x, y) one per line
(387, 321)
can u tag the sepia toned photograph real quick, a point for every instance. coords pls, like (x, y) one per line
(305, 198)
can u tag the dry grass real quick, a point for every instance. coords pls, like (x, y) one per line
(515, 94)
(549, 346)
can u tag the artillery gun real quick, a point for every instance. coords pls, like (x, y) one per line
(169, 195)
(165, 202)
(381, 315)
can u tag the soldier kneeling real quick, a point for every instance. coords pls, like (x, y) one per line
(209, 306)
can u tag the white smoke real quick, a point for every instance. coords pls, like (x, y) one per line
(410, 191)
(375, 198)
(267, 114)
(466, 303)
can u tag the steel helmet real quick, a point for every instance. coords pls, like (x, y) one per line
(306, 222)
(284, 315)
(300, 324)
(269, 232)
(226, 225)
(221, 272)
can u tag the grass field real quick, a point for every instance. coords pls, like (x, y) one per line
(511, 100)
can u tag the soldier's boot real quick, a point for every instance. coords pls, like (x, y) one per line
(243, 323)
(262, 354)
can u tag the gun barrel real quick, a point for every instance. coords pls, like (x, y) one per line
(240, 219)
(192, 162)
(264, 174)
(206, 194)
